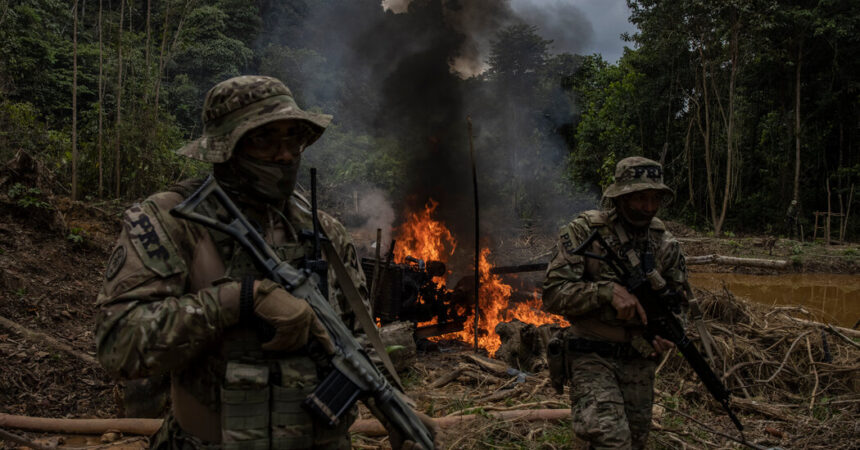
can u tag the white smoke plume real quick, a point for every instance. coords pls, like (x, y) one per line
(375, 209)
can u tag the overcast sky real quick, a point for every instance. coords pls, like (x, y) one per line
(575, 26)
(607, 20)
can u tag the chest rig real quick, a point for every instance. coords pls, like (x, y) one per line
(258, 394)
(638, 251)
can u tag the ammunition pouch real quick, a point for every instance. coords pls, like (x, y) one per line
(555, 357)
(261, 405)
(245, 407)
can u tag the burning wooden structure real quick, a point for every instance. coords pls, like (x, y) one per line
(411, 286)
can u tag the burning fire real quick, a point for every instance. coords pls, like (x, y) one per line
(495, 307)
(426, 238)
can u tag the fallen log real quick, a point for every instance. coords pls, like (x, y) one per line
(489, 364)
(148, 427)
(736, 261)
(145, 427)
(42, 338)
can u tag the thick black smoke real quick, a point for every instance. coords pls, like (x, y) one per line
(413, 66)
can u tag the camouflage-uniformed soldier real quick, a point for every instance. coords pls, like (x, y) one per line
(181, 298)
(609, 364)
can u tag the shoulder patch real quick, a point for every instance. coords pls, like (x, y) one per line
(150, 240)
(115, 263)
(595, 218)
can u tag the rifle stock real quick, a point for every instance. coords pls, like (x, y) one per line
(661, 320)
(353, 375)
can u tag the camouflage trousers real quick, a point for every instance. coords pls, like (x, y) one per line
(611, 399)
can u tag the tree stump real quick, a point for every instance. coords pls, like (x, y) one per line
(400, 334)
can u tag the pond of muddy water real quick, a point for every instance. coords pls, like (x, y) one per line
(829, 297)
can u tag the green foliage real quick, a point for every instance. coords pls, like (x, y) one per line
(850, 252)
(822, 410)
(576, 114)
(796, 249)
(27, 197)
(76, 236)
(21, 128)
(606, 131)
(558, 436)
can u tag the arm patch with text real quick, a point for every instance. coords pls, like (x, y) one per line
(150, 240)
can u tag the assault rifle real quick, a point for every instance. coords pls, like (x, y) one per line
(352, 374)
(658, 301)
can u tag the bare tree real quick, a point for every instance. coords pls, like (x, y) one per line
(75, 101)
(101, 100)
(118, 124)
(796, 195)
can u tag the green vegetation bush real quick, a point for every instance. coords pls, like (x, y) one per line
(27, 197)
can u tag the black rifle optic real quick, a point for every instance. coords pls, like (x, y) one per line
(353, 375)
(657, 301)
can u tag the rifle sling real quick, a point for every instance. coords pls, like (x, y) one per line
(347, 285)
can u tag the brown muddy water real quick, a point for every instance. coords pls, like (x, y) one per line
(830, 298)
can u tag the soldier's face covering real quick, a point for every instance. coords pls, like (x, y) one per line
(266, 162)
(638, 208)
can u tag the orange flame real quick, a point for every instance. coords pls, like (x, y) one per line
(495, 307)
(426, 238)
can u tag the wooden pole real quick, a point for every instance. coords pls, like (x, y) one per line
(375, 282)
(477, 233)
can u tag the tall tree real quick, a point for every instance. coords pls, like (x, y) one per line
(101, 89)
(118, 124)
(75, 101)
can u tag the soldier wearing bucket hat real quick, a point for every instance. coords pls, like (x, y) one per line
(175, 295)
(608, 364)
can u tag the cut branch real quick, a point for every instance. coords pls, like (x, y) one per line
(44, 339)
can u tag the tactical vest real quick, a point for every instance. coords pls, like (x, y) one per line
(634, 251)
(257, 393)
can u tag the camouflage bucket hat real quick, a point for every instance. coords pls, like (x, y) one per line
(637, 174)
(234, 106)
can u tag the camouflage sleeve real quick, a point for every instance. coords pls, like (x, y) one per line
(673, 268)
(148, 323)
(566, 291)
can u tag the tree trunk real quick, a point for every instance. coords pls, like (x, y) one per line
(161, 62)
(165, 52)
(75, 101)
(689, 155)
(797, 122)
(148, 37)
(706, 136)
(101, 103)
(117, 172)
(718, 225)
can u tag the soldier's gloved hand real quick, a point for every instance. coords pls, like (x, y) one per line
(626, 304)
(292, 318)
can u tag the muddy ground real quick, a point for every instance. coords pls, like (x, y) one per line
(52, 256)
